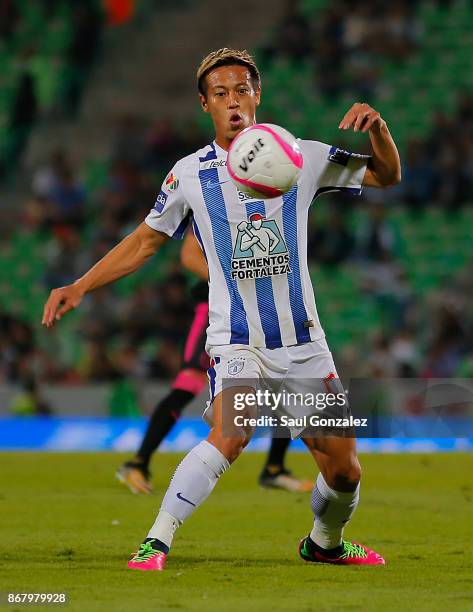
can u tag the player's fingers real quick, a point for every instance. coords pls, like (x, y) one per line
(359, 120)
(45, 314)
(343, 122)
(65, 308)
(350, 115)
(371, 119)
(348, 119)
(50, 308)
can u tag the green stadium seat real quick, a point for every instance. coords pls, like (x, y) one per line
(57, 37)
(311, 7)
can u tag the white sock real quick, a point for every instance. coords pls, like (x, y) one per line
(164, 528)
(332, 511)
(193, 481)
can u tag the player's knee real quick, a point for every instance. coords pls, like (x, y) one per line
(230, 448)
(345, 475)
(233, 448)
(311, 444)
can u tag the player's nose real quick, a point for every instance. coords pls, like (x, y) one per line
(233, 100)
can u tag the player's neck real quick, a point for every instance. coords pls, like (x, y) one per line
(223, 142)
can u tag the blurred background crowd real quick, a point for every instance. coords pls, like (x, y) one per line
(391, 271)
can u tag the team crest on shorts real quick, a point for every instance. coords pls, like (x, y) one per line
(235, 366)
(260, 249)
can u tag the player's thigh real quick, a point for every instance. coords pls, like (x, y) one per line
(315, 395)
(231, 431)
(235, 370)
(337, 459)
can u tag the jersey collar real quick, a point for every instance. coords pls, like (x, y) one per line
(220, 152)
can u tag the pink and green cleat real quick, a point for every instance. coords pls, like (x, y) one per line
(353, 554)
(148, 558)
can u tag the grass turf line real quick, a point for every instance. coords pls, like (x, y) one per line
(67, 525)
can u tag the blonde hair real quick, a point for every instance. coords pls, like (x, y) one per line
(226, 57)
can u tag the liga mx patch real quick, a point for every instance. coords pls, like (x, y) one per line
(160, 201)
(171, 182)
(339, 156)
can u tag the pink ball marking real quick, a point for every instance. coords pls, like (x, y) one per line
(294, 156)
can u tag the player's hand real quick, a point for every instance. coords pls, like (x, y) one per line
(362, 117)
(60, 302)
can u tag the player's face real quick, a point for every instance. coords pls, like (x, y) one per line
(231, 101)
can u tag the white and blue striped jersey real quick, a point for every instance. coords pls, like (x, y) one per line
(260, 292)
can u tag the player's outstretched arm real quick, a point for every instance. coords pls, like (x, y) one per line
(129, 255)
(384, 166)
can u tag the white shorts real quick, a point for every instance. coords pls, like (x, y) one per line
(312, 363)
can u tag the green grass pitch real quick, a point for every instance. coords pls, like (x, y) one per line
(67, 525)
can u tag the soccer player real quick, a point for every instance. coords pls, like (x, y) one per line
(263, 328)
(190, 381)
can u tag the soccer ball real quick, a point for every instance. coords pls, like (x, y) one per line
(264, 160)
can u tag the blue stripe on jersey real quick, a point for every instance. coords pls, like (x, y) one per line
(211, 373)
(265, 295)
(212, 154)
(181, 229)
(222, 236)
(296, 298)
(199, 237)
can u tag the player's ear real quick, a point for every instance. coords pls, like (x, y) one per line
(258, 96)
(203, 103)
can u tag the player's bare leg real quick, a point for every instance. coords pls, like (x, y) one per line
(337, 460)
(229, 439)
(334, 500)
(193, 481)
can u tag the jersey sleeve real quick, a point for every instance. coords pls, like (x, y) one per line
(334, 169)
(171, 212)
